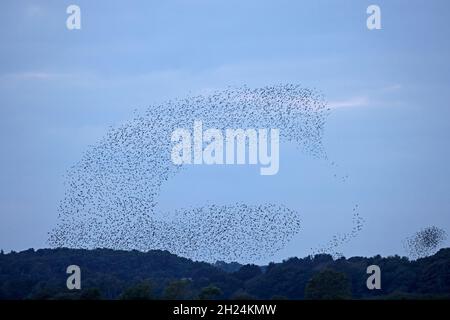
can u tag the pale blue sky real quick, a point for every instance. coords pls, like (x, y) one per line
(60, 90)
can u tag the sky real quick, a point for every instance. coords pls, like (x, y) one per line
(388, 90)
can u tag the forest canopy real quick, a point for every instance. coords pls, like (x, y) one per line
(114, 274)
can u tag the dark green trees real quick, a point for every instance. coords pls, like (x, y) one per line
(328, 285)
(178, 290)
(140, 291)
(111, 274)
(210, 292)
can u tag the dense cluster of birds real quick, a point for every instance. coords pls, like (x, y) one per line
(425, 242)
(111, 197)
(336, 242)
(239, 232)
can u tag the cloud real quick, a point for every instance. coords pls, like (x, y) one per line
(34, 10)
(353, 102)
(394, 87)
(34, 76)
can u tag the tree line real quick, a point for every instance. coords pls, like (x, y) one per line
(115, 274)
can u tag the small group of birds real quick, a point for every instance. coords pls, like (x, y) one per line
(111, 198)
(334, 245)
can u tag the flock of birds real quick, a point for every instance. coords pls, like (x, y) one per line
(425, 242)
(111, 197)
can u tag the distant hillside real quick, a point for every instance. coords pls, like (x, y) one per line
(111, 274)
